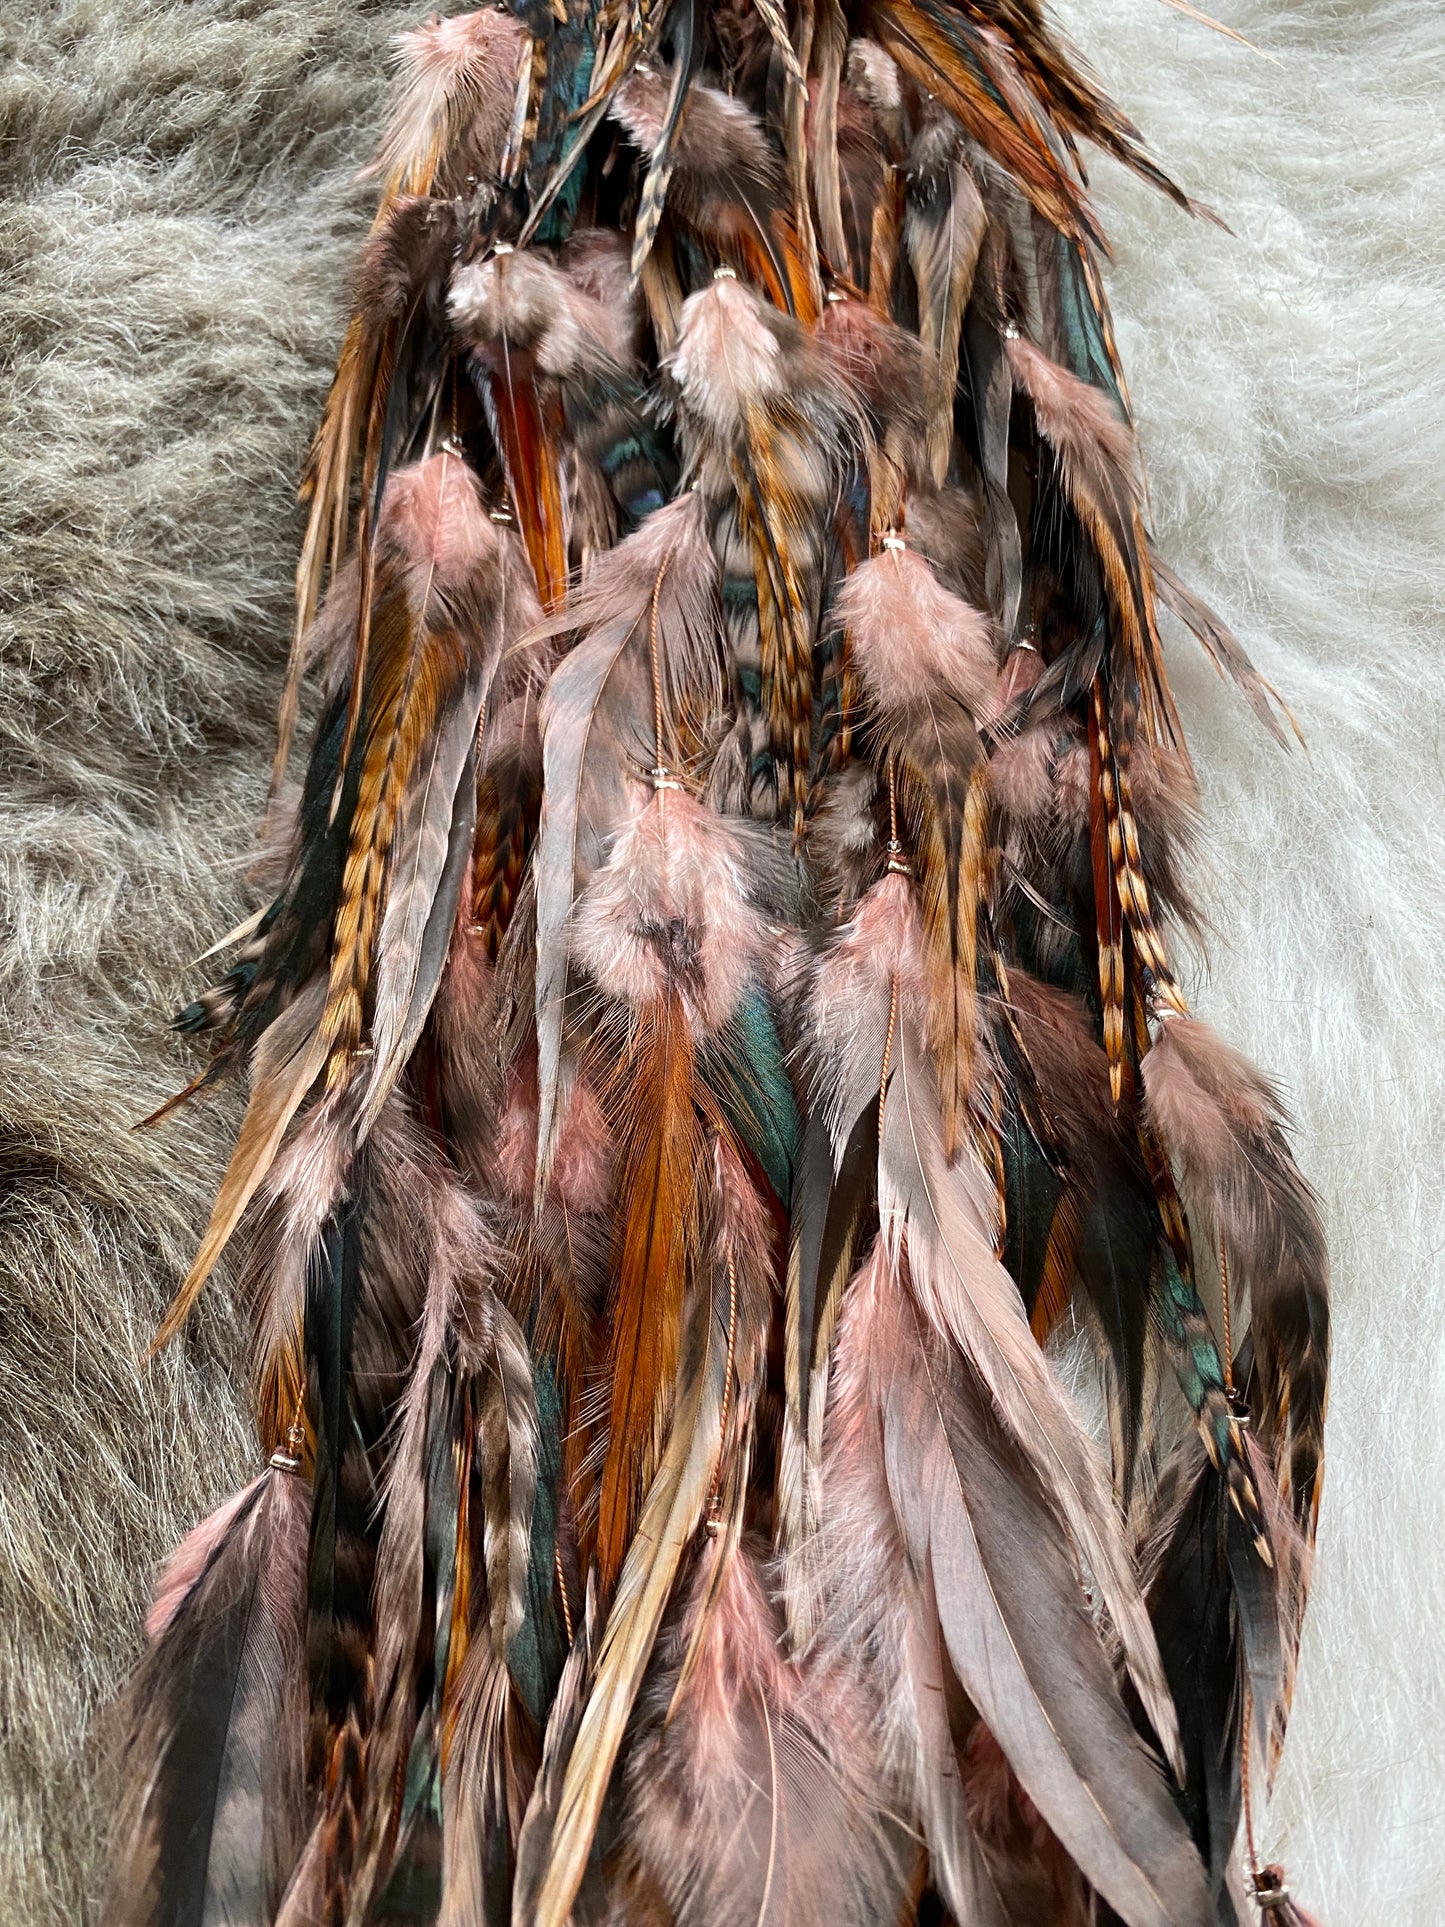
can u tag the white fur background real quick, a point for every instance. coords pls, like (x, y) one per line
(175, 222)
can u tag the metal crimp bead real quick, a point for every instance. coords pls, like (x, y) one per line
(287, 1457)
(1270, 1891)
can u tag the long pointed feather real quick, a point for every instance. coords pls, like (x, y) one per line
(287, 1063)
(670, 1517)
(598, 736)
(213, 1808)
(1009, 1618)
(967, 1293)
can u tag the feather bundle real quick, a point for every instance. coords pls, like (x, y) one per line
(713, 1020)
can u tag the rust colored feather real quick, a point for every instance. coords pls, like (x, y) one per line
(653, 1100)
(529, 431)
(968, 67)
(1075, 102)
(1056, 1283)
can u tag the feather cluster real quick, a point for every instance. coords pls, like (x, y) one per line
(715, 1020)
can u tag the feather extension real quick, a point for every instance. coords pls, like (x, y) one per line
(666, 927)
(455, 81)
(967, 64)
(926, 664)
(1222, 1123)
(710, 1023)
(745, 1802)
(947, 1218)
(760, 407)
(214, 1753)
(943, 230)
(668, 1521)
(600, 740)
(289, 1059)
(1225, 651)
(957, 1492)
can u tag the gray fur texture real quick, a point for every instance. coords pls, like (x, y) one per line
(176, 220)
(176, 226)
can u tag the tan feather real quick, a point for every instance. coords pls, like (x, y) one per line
(287, 1062)
(671, 1515)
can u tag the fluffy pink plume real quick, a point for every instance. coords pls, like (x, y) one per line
(741, 1657)
(883, 938)
(749, 1804)
(1021, 775)
(517, 1130)
(582, 1167)
(1163, 787)
(456, 83)
(1200, 1090)
(1021, 672)
(1078, 418)
(1071, 785)
(727, 358)
(911, 638)
(597, 261)
(717, 133)
(748, 1219)
(432, 512)
(529, 302)
(671, 906)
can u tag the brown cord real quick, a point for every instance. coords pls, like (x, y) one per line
(1249, 1845)
(898, 865)
(562, 1589)
(1228, 1336)
(888, 1049)
(714, 1497)
(661, 776)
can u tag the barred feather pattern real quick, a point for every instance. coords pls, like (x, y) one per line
(713, 1019)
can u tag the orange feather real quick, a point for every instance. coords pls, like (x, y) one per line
(530, 441)
(653, 1095)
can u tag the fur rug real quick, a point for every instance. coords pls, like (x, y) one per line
(175, 228)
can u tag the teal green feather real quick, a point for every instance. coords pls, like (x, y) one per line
(1086, 348)
(1032, 1189)
(749, 1073)
(537, 1651)
(1195, 1357)
(413, 1890)
(554, 177)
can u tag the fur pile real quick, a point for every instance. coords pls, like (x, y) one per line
(177, 225)
(176, 219)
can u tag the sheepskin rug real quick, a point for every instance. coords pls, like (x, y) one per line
(177, 211)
